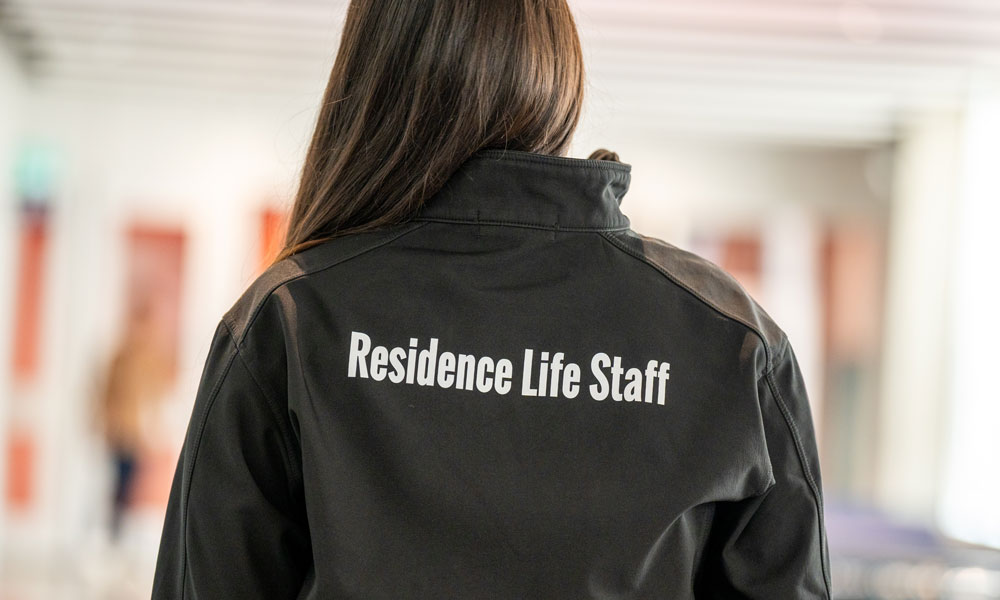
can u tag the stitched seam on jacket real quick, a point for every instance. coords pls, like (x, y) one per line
(621, 246)
(275, 411)
(194, 456)
(810, 480)
(506, 155)
(712, 306)
(524, 224)
(256, 311)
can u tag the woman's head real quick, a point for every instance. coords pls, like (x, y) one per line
(419, 86)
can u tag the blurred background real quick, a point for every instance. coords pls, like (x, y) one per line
(842, 159)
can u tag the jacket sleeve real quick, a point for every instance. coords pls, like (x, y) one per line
(235, 524)
(773, 545)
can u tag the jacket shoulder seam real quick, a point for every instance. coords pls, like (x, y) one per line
(255, 312)
(768, 351)
(806, 471)
(194, 453)
(275, 409)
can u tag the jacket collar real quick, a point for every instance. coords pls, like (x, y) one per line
(533, 190)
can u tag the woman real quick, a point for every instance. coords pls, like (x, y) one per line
(467, 377)
(139, 374)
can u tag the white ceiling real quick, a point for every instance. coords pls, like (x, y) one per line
(814, 71)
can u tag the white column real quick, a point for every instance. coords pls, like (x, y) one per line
(910, 429)
(970, 491)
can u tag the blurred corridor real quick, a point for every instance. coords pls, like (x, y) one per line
(839, 158)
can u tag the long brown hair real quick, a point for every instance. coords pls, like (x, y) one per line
(417, 88)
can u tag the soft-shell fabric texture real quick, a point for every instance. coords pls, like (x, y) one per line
(511, 396)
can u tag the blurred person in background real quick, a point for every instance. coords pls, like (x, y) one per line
(138, 375)
(337, 449)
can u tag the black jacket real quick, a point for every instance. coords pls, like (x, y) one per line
(511, 396)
